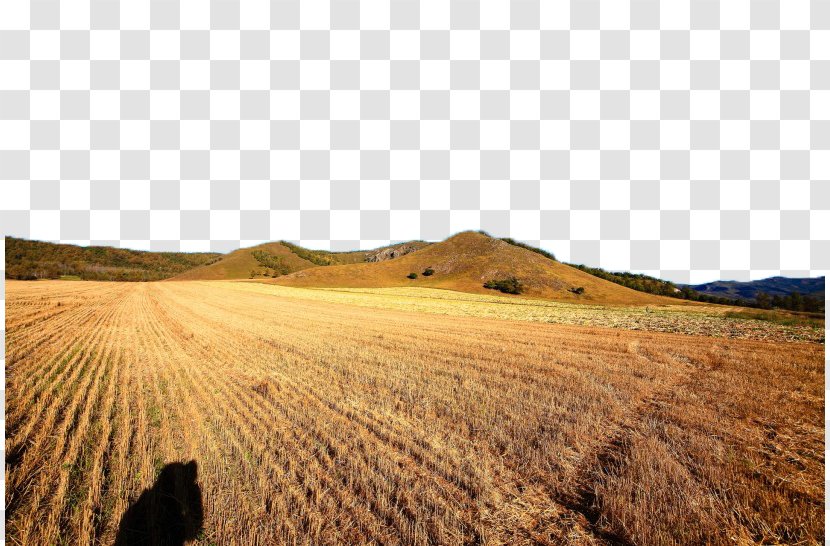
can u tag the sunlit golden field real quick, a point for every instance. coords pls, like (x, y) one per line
(400, 417)
(695, 319)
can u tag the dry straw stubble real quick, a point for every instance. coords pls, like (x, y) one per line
(321, 422)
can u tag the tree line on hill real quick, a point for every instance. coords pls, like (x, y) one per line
(317, 257)
(794, 301)
(270, 261)
(32, 260)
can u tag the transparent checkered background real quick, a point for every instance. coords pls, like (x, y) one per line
(689, 141)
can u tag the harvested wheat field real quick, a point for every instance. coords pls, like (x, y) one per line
(281, 418)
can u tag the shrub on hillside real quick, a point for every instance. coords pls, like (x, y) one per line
(412, 276)
(635, 281)
(317, 257)
(519, 244)
(271, 261)
(579, 290)
(428, 272)
(510, 285)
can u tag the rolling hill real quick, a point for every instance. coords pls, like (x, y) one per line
(29, 260)
(239, 263)
(464, 263)
(774, 286)
(282, 258)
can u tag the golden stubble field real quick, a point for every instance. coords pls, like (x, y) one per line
(317, 422)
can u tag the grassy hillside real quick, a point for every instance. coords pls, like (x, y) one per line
(472, 262)
(465, 262)
(29, 260)
(281, 258)
(261, 259)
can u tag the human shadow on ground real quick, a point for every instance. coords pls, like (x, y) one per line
(168, 514)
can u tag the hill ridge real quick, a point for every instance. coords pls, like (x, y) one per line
(284, 257)
(777, 285)
(28, 259)
(466, 262)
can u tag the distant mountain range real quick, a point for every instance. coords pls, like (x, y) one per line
(774, 286)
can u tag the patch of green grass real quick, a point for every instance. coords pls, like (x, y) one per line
(158, 466)
(154, 415)
(779, 317)
(70, 278)
(76, 490)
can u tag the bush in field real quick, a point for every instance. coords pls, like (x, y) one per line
(428, 272)
(578, 291)
(412, 276)
(510, 285)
